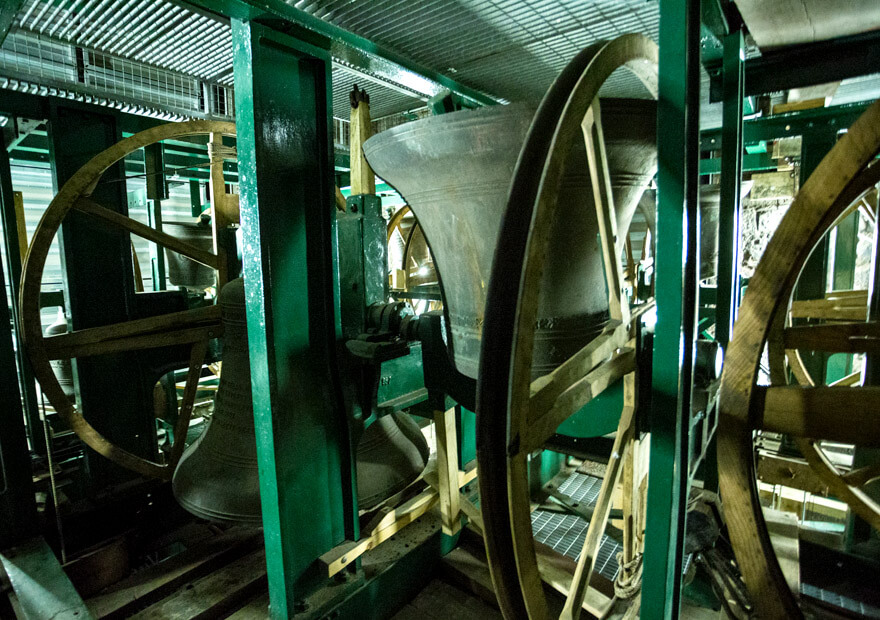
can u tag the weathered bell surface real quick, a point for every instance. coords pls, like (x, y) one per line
(62, 368)
(391, 454)
(455, 170)
(183, 271)
(710, 201)
(217, 476)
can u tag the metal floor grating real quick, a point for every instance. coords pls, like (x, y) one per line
(565, 533)
(842, 602)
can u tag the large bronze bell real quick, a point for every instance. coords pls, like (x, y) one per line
(62, 368)
(217, 477)
(454, 170)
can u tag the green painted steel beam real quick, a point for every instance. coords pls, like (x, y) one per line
(750, 163)
(13, 272)
(283, 122)
(676, 286)
(816, 120)
(41, 587)
(353, 50)
(18, 513)
(731, 178)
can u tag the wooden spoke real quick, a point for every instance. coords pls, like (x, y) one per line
(184, 412)
(151, 332)
(192, 326)
(834, 337)
(604, 200)
(87, 205)
(862, 476)
(547, 389)
(838, 305)
(587, 560)
(843, 414)
(514, 413)
(576, 396)
(837, 413)
(858, 501)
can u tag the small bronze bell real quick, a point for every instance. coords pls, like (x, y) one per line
(391, 454)
(62, 368)
(183, 271)
(217, 478)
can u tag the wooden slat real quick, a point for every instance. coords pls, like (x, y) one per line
(586, 563)
(600, 177)
(343, 555)
(87, 205)
(216, 594)
(794, 473)
(844, 414)
(363, 181)
(840, 305)
(577, 396)
(158, 581)
(858, 337)
(545, 390)
(447, 470)
(165, 329)
(18, 203)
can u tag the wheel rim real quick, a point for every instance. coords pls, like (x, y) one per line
(507, 339)
(193, 326)
(743, 406)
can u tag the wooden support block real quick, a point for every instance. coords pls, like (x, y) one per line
(363, 181)
(447, 470)
(343, 555)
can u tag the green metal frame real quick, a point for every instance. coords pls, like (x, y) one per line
(672, 378)
(354, 51)
(282, 91)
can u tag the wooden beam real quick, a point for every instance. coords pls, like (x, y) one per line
(343, 555)
(363, 181)
(576, 396)
(447, 470)
(858, 337)
(794, 473)
(87, 205)
(154, 331)
(844, 414)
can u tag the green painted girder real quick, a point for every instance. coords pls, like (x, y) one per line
(356, 51)
(731, 178)
(7, 17)
(676, 291)
(750, 163)
(817, 120)
(283, 122)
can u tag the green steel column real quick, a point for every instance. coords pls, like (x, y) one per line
(18, 513)
(731, 177)
(283, 121)
(678, 158)
(99, 290)
(13, 272)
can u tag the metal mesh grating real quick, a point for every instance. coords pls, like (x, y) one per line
(565, 534)
(842, 602)
(510, 48)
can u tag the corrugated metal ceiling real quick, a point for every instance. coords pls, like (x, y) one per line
(511, 49)
(508, 48)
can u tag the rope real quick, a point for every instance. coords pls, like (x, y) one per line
(218, 151)
(629, 577)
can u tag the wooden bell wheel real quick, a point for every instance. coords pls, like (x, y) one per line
(516, 416)
(808, 412)
(195, 327)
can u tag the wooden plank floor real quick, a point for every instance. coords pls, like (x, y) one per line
(442, 601)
